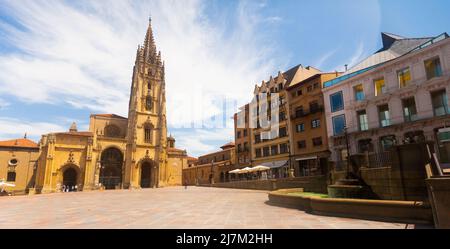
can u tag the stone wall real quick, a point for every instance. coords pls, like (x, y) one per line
(317, 184)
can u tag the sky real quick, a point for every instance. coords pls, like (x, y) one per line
(61, 61)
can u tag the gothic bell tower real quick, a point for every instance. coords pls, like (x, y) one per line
(146, 149)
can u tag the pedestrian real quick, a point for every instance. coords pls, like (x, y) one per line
(63, 188)
(185, 184)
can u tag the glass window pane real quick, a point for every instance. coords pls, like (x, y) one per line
(383, 112)
(337, 102)
(359, 92)
(380, 87)
(338, 125)
(404, 77)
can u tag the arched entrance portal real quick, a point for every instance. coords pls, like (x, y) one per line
(70, 179)
(111, 168)
(146, 175)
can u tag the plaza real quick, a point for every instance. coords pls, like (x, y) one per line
(165, 208)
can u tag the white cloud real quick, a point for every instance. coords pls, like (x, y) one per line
(4, 104)
(14, 128)
(82, 54)
(86, 54)
(202, 141)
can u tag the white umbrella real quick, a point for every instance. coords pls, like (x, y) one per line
(260, 168)
(236, 171)
(245, 170)
(5, 184)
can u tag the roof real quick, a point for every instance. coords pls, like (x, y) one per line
(108, 116)
(310, 79)
(174, 149)
(228, 145)
(189, 158)
(77, 133)
(394, 46)
(19, 143)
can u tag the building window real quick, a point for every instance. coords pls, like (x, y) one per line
(266, 151)
(440, 103)
(283, 132)
(359, 92)
(299, 112)
(300, 128)
(280, 86)
(387, 142)
(301, 144)
(258, 138)
(404, 77)
(309, 88)
(316, 85)
(238, 134)
(148, 134)
(338, 125)
(282, 116)
(258, 152)
(245, 133)
(380, 87)
(13, 162)
(274, 150)
(314, 106)
(11, 176)
(245, 146)
(112, 131)
(384, 116)
(283, 148)
(239, 148)
(299, 93)
(433, 68)
(317, 141)
(149, 103)
(337, 102)
(315, 123)
(409, 109)
(362, 120)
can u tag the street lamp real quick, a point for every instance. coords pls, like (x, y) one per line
(348, 152)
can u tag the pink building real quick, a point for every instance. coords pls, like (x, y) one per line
(398, 95)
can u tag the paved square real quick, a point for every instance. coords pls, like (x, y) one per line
(163, 208)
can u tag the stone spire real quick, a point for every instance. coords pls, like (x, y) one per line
(149, 44)
(73, 127)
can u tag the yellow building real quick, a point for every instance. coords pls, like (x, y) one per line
(18, 161)
(116, 152)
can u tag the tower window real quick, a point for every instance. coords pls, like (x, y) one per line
(148, 136)
(149, 103)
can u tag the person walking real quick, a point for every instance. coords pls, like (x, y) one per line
(185, 184)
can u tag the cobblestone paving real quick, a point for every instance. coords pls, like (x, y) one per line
(163, 208)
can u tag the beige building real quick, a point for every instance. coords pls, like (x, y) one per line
(18, 162)
(269, 120)
(214, 166)
(116, 152)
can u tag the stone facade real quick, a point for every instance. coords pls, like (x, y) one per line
(118, 152)
(215, 165)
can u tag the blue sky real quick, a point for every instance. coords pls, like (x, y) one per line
(60, 61)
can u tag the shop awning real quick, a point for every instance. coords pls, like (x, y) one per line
(306, 158)
(275, 164)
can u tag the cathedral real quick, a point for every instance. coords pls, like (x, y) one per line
(116, 152)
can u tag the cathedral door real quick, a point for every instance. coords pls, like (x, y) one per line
(146, 175)
(70, 179)
(111, 168)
